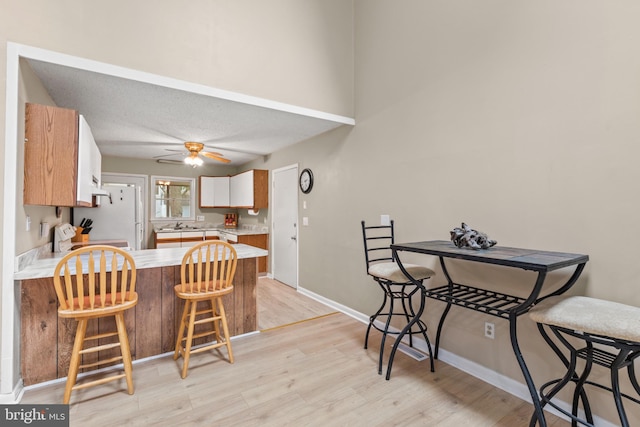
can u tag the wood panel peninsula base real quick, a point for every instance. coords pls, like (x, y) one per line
(46, 340)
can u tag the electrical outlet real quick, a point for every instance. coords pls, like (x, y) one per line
(489, 330)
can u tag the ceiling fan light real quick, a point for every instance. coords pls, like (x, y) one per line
(193, 161)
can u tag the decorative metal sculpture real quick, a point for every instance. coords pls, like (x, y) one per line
(466, 237)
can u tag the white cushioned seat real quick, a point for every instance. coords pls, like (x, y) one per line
(390, 271)
(589, 315)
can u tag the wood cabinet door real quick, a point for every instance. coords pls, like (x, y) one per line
(259, 241)
(50, 156)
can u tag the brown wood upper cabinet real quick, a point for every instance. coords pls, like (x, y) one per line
(61, 158)
(247, 190)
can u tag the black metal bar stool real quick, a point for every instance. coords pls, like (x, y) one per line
(398, 291)
(609, 336)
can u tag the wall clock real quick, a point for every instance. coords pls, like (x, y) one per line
(306, 181)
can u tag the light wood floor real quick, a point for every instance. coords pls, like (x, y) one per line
(279, 305)
(310, 373)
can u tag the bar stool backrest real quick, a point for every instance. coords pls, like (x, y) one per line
(98, 278)
(377, 243)
(208, 266)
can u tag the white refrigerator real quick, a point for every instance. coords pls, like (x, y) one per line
(118, 217)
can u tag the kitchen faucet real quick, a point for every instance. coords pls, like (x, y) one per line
(178, 224)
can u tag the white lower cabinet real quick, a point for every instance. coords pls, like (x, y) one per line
(191, 238)
(168, 240)
(178, 239)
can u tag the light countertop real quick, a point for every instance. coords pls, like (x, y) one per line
(235, 231)
(147, 258)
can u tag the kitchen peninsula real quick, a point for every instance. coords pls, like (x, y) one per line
(187, 235)
(46, 341)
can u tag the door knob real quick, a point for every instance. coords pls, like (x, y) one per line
(294, 238)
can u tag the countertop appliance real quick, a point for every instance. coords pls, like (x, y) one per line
(62, 237)
(118, 217)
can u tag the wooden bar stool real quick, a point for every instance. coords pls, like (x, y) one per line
(397, 289)
(91, 283)
(207, 274)
(609, 336)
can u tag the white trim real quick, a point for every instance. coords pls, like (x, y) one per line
(130, 74)
(8, 384)
(192, 200)
(341, 308)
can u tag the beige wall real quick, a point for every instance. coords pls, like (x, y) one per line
(290, 51)
(520, 118)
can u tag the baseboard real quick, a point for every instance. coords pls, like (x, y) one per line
(15, 396)
(338, 307)
(474, 369)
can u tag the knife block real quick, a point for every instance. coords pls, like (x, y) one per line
(79, 237)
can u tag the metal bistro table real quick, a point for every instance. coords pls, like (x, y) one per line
(487, 301)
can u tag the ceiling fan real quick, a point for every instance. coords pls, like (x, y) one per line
(195, 150)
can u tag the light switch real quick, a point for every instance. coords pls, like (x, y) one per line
(305, 220)
(44, 229)
(304, 204)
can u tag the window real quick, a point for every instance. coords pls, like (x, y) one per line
(173, 198)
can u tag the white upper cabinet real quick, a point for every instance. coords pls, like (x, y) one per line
(242, 189)
(245, 190)
(214, 192)
(89, 162)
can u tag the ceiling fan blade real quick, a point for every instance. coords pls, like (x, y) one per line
(215, 156)
(207, 153)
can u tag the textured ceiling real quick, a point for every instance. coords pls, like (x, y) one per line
(140, 120)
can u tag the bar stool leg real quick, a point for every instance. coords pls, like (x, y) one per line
(384, 333)
(225, 329)
(633, 378)
(615, 385)
(78, 343)
(407, 309)
(125, 350)
(375, 316)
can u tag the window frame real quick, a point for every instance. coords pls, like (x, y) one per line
(192, 198)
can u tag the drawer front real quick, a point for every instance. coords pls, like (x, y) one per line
(168, 236)
(228, 237)
(168, 244)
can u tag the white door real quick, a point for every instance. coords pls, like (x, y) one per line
(285, 225)
(141, 184)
